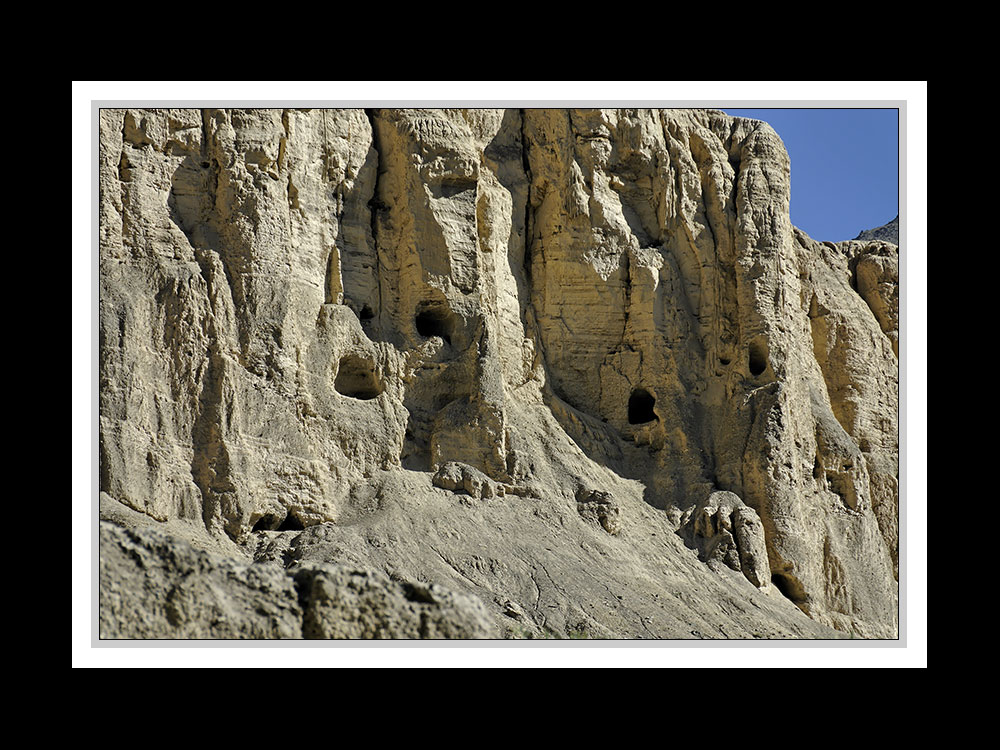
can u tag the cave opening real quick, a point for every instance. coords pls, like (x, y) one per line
(266, 523)
(291, 523)
(433, 320)
(758, 357)
(356, 378)
(640, 407)
(275, 522)
(789, 587)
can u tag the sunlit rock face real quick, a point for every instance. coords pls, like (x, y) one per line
(577, 363)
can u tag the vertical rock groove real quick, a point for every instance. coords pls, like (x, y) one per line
(374, 206)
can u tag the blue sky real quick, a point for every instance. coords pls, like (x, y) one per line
(844, 167)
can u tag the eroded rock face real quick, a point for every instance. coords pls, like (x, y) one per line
(364, 604)
(304, 310)
(599, 506)
(157, 586)
(725, 530)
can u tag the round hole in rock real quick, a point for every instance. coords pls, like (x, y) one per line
(640, 407)
(433, 320)
(356, 378)
(758, 357)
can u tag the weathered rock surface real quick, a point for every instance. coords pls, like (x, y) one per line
(156, 586)
(459, 477)
(600, 506)
(886, 233)
(725, 530)
(318, 326)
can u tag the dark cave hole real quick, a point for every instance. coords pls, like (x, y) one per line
(433, 321)
(640, 407)
(758, 358)
(366, 313)
(291, 523)
(356, 378)
(266, 523)
(789, 587)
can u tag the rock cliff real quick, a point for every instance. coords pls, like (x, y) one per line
(577, 365)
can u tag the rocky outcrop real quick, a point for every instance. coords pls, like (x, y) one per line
(595, 505)
(459, 477)
(156, 586)
(876, 278)
(725, 530)
(319, 323)
(885, 233)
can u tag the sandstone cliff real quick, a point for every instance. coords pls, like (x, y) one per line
(577, 364)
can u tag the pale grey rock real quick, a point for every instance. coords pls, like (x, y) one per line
(599, 506)
(156, 586)
(459, 477)
(725, 530)
(360, 604)
(566, 574)
(193, 532)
